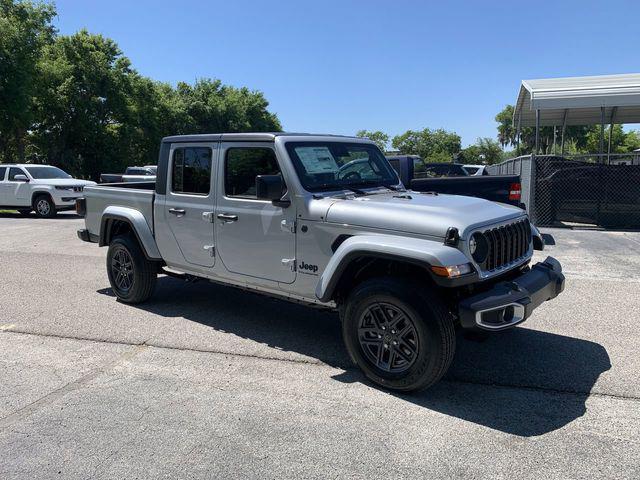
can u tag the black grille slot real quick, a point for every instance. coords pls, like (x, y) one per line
(507, 244)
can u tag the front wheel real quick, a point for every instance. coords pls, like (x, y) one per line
(131, 275)
(44, 207)
(402, 337)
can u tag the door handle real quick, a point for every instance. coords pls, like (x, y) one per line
(177, 211)
(227, 218)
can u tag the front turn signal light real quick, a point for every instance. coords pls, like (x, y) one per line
(452, 271)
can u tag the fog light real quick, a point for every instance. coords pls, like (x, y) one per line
(452, 271)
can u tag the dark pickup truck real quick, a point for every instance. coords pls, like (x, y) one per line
(452, 178)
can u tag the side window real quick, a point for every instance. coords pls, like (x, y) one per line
(2, 172)
(191, 170)
(242, 165)
(13, 172)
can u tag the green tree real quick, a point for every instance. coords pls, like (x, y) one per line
(429, 144)
(25, 29)
(211, 107)
(621, 141)
(484, 151)
(379, 138)
(95, 113)
(85, 116)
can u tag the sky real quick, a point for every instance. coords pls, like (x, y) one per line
(341, 66)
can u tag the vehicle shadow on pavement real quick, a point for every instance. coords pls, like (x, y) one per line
(523, 382)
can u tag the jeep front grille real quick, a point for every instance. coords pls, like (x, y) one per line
(507, 244)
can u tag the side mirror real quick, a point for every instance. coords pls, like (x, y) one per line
(271, 188)
(21, 178)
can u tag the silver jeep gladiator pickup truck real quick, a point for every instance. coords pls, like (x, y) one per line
(324, 220)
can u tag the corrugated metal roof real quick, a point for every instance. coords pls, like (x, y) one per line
(580, 98)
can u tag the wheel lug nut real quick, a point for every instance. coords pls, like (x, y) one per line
(395, 343)
(379, 336)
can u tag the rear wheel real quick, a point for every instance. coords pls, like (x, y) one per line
(401, 336)
(131, 275)
(44, 206)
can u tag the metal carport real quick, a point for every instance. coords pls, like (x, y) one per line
(597, 100)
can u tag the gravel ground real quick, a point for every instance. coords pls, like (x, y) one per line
(208, 381)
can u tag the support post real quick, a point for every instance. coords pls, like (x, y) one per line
(611, 124)
(537, 150)
(601, 133)
(564, 128)
(518, 133)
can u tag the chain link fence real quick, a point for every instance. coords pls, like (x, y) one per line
(595, 189)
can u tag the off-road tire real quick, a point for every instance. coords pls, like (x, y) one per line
(434, 328)
(44, 206)
(140, 272)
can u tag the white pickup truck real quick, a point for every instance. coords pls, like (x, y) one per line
(325, 220)
(40, 188)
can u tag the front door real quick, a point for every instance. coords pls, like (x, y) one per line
(190, 200)
(16, 192)
(254, 237)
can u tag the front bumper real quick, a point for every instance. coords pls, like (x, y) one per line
(66, 201)
(512, 302)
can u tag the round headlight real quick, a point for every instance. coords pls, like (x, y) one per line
(478, 247)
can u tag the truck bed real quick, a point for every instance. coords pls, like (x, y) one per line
(138, 195)
(494, 188)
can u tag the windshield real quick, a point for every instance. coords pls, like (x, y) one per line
(39, 173)
(324, 166)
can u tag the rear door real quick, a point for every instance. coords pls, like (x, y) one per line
(254, 237)
(190, 200)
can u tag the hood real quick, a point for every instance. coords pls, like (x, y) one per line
(68, 182)
(422, 214)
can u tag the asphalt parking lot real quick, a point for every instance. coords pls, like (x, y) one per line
(208, 381)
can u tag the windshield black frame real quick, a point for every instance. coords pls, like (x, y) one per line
(39, 168)
(390, 177)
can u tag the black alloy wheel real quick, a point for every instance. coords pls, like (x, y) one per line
(388, 338)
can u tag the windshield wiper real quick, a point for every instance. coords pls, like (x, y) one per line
(340, 186)
(393, 188)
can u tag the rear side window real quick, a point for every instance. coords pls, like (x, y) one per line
(242, 165)
(2, 172)
(13, 172)
(191, 170)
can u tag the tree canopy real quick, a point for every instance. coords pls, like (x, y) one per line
(381, 139)
(432, 145)
(76, 101)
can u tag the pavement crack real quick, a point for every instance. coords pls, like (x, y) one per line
(146, 343)
(71, 386)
